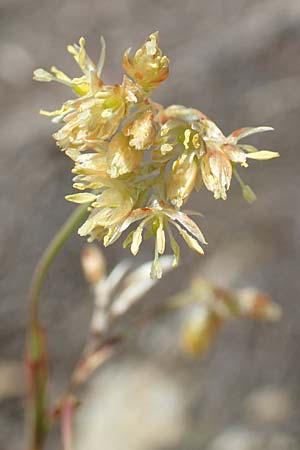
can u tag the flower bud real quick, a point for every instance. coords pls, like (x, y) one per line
(148, 67)
(199, 331)
(252, 303)
(93, 264)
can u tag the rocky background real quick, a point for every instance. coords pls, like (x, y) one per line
(238, 61)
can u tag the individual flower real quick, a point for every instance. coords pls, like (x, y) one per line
(91, 170)
(141, 130)
(179, 131)
(222, 152)
(108, 208)
(216, 172)
(90, 82)
(122, 158)
(148, 67)
(156, 220)
(96, 115)
(182, 179)
(182, 140)
(92, 119)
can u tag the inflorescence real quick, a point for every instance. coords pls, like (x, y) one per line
(136, 161)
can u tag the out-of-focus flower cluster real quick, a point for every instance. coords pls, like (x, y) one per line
(135, 161)
(115, 293)
(209, 307)
(204, 306)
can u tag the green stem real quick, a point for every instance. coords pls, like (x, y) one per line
(239, 179)
(49, 254)
(36, 348)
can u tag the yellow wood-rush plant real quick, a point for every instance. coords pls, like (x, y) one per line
(135, 162)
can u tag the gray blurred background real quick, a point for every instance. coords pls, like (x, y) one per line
(238, 61)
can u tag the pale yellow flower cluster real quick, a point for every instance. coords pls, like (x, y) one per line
(135, 160)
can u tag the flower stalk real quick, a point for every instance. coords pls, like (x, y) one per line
(36, 345)
(67, 229)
